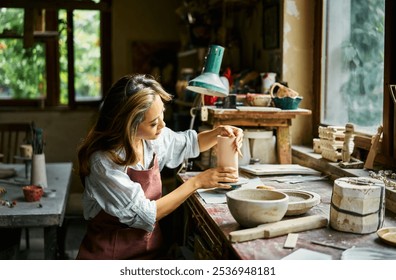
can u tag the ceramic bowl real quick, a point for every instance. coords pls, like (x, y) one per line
(300, 201)
(287, 103)
(32, 193)
(253, 207)
(258, 99)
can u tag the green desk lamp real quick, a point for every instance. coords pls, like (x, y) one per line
(209, 82)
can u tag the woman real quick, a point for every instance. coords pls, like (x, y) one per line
(120, 162)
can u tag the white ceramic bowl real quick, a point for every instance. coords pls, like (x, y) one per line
(253, 207)
(258, 99)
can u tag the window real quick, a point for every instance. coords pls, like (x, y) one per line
(353, 63)
(86, 46)
(354, 69)
(22, 70)
(54, 54)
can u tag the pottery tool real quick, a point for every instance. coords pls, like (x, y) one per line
(265, 187)
(38, 139)
(9, 182)
(291, 241)
(331, 245)
(375, 145)
(239, 152)
(279, 228)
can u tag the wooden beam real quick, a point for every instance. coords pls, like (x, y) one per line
(56, 4)
(28, 28)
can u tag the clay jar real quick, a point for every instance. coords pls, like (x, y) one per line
(227, 156)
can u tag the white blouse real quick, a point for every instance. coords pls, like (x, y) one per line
(108, 186)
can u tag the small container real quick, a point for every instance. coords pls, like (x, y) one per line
(258, 99)
(32, 193)
(38, 174)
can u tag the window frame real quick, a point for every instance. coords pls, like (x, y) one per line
(387, 154)
(50, 38)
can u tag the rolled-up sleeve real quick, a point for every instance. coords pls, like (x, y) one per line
(174, 147)
(110, 189)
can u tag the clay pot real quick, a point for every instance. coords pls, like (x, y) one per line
(32, 193)
(253, 207)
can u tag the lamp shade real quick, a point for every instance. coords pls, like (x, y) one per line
(209, 82)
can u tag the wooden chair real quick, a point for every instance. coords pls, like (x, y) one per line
(12, 135)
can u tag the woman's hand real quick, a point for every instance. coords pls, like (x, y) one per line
(207, 179)
(213, 178)
(207, 139)
(232, 131)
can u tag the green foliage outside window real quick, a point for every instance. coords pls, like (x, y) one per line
(22, 71)
(364, 57)
(86, 55)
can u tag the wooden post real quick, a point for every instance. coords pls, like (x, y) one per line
(348, 143)
(369, 164)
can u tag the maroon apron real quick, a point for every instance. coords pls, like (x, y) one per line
(108, 239)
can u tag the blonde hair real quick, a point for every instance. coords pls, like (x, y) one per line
(121, 112)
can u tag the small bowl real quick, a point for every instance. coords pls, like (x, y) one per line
(388, 235)
(258, 99)
(253, 207)
(32, 193)
(300, 201)
(287, 103)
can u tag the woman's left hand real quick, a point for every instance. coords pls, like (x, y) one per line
(231, 131)
(207, 139)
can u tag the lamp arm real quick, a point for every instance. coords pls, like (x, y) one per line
(197, 104)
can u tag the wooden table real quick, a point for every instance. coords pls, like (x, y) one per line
(48, 213)
(211, 224)
(280, 120)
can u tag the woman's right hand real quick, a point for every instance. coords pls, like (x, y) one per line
(213, 178)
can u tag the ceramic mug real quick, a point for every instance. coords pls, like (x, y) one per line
(283, 91)
(230, 101)
(26, 150)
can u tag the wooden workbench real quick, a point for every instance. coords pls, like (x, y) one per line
(211, 224)
(280, 120)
